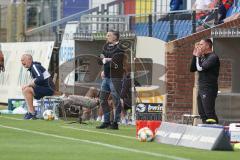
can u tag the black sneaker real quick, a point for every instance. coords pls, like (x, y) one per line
(103, 125)
(114, 126)
(26, 115)
(30, 116)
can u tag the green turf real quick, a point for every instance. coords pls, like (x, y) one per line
(70, 144)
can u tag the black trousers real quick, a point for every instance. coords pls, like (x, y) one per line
(206, 103)
(222, 13)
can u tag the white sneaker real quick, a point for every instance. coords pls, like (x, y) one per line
(124, 121)
(132, 122)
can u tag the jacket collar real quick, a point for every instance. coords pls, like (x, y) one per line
(113, 44)
(29, 69)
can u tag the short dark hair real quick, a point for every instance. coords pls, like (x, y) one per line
(116, 33)
(209, 42)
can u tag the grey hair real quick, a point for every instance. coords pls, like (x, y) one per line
(29, 56)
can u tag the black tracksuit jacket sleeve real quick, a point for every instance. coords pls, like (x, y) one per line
(193, 67)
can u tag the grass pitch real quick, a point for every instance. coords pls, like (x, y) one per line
(50, 140)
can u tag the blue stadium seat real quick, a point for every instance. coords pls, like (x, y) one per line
(141, 29)
(165, 26)
(229, 12)
(189, 26)
(234, 10)
(155, 26)
(186, 33)
(161, 35)
(165, 36)
(182, 28)
(176, 26)
(180, 34)
(160, 25)
(161, 29)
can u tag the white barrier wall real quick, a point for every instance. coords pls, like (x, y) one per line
(15, 75)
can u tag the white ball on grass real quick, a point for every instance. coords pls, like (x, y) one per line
(145, 135)
(48, 115)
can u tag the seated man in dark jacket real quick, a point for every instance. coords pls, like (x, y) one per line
(41, 85)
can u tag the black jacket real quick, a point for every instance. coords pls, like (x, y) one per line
(113, 69)
(210, 64)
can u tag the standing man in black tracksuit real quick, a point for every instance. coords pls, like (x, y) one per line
(207, 63)
(41, 85)
(112, 59)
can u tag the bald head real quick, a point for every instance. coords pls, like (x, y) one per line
(26, 60)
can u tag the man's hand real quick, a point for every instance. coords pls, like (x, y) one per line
(197, 50)
(102, 75)
(25, 86)
(105, 60)
(32, 84)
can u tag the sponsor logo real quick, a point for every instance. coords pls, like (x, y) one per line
(154, 108)
(141, 108)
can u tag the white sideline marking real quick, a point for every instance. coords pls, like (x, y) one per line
(6, 117)
(91, 131)
(96, 143)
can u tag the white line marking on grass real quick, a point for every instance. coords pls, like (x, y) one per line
(91, 131)
(125, 128)
(6, 117)
(96, 143)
